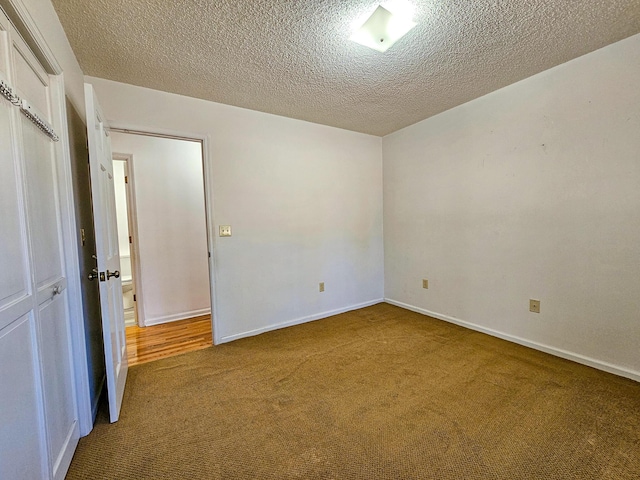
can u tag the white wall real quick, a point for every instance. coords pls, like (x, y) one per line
(46, 19)
(532, 191)
(172, 238)
(304, 202)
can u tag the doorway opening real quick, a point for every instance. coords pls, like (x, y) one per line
(164, 252)
(125, 214)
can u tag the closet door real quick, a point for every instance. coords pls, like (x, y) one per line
(49, 276)
(40, 430)
(22, 440)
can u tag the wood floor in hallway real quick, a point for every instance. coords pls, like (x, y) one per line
(168, 339)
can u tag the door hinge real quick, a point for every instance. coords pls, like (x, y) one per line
(130, 241)
(209, 254)
(134, 297)
(126, 179)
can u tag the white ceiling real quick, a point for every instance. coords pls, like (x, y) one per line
(294, 57)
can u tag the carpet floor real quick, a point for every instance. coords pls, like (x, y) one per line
(377, 393)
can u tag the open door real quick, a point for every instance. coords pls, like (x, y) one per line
(107, 252)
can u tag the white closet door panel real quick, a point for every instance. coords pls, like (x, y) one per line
(21, 448)
(42, 203)
(13, 281)
(57, 387)
(38, 418)
(31, 80)
(10, 313)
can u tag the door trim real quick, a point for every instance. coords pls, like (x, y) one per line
(205, 141)
(72, 263)
(19, 15)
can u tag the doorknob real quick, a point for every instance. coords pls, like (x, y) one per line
(113, 274)
(93, 275)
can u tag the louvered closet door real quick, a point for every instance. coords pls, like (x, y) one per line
(35, 346)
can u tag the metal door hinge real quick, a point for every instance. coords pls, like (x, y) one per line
(130, 241)
(134, 297)
(126, 179)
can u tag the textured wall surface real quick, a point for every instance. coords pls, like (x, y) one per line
(44, 16)
(530, 192)
(294, 58)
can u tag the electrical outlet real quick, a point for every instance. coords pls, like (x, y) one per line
(534, 306)
(225, 230)
(425, 283)
(321, 286)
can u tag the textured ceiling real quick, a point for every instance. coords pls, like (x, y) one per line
(294, 57)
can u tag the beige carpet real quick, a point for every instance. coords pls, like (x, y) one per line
(378, 393)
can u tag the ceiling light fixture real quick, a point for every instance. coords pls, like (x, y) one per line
(382, 29)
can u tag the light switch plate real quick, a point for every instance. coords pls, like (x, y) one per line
(225, 230)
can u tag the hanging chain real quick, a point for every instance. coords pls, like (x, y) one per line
(7, 92)
(28, 112)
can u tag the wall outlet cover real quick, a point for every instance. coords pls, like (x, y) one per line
(534, 306)
(321, 286)
(225, 230)
(425, 283)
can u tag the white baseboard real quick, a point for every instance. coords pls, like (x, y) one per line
(298, 321)
(575, 357)
(176, 316)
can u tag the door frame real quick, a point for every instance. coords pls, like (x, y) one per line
(132, 214)
(70, 244)
(207, 178)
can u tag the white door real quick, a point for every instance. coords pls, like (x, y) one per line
(38, 416)
(22, 450)
(107, 251)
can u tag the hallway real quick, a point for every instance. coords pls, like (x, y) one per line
(168, 339)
